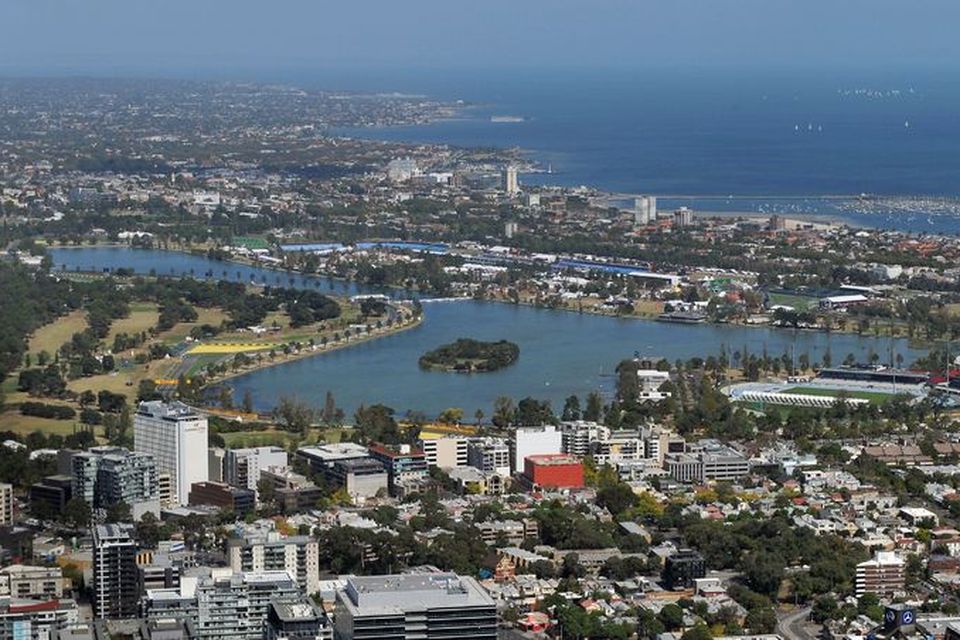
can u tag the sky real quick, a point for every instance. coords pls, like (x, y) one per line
(187, 37)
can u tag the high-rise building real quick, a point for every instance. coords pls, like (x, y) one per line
(579, 436)
(242, 466)
(414, 607)
(115, 576)
(216, 460)
(6, 504)
(105, 476)
(532, 441)
(644, 210)
(53, 491)
(884, 575)
(510, 183)
(176, 436)
(297, 555)
(683, 217)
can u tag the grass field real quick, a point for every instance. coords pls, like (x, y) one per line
(876, 397)
(143, 315)
(242, 439)
(11, 420)
(213, 317)
(51, 337)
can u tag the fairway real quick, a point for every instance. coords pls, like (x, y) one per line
(51, 337)
(142, 317)
(876, 397)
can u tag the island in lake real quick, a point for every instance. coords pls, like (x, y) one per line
(468, 356)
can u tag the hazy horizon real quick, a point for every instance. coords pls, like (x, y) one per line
(245, 38)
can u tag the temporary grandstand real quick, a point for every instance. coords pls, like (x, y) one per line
(756, 396)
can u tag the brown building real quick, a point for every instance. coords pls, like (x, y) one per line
(222, 495)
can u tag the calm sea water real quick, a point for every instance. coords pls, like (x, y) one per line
(784, 140)
(561, 353)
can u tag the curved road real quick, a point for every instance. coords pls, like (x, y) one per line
(792, 626)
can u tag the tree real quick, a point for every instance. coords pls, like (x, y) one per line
(699, 632)
(594, 409)
(119, 512)
(503, 412)
(148, 531)
(247, 403)
(453, 415)
(77, 513)
(294, 414)
(329, 413)
(671, 616)
(571, 408)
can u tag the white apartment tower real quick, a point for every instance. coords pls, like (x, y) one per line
(511, 185)
(176, 436)
(644, 210)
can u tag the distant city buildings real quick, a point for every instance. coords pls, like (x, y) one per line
(176, 436)
(6, 504)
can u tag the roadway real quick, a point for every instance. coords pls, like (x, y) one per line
(793, 625)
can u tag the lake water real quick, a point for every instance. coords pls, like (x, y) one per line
(561, 353)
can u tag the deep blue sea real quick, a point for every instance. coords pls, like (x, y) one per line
(763, 142)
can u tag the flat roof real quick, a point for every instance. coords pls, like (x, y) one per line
(397, 594)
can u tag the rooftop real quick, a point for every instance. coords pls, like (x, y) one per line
(397, 594)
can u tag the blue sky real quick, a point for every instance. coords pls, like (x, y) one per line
(187, 36)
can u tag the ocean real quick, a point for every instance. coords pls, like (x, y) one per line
(720, 141)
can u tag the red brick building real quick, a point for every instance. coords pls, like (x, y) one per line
(554, 471)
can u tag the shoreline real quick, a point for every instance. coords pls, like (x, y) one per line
(307, 353)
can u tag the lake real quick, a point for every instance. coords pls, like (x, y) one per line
(561, 353)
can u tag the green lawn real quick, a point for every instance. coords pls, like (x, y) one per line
(876, 397)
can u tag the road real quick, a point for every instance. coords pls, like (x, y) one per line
(792, 626)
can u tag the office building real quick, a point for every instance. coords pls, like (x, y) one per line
(242, 467)
(509, 182)
(707, 460)
(554, 471)
(445, 452)
(223, 605)
(297, 555)
(38, 583)
(105, 476)
(513, 532)
(406, 466)
(6, 504)
(176, 436)
(320, 458)
(297, 621)
(414, 607)
(644, 210)
(682, 569)
(533, 441)
(884, 575)
(115, 576)
(53, 492)
(219, 494)
(490, 455)
(649, 382)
